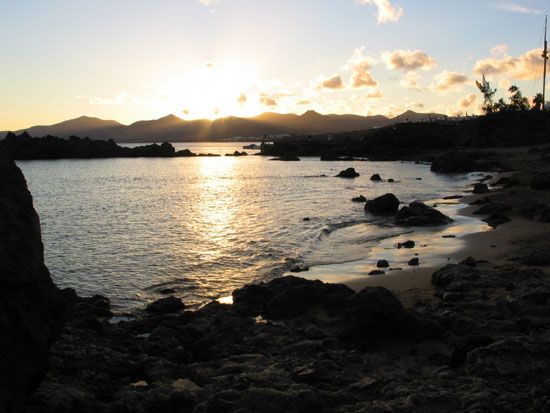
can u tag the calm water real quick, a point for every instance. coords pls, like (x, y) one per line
(130, 228)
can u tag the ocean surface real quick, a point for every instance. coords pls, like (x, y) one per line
(135, 229)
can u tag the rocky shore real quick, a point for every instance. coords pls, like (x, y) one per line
(479, 343)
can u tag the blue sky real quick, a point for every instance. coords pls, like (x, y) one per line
(134, 59)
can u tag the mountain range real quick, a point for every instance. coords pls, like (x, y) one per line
(174, 129)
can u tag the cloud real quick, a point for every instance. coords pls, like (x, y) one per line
(500, 50)
(524, 67)
(516, 8)
(411, 81)
(374, 94)
(362, 77)
(386, 11)
(449, 82)
(241, 99)
(120, 98)
(304, 102)
(408, 60)
(417, 105)
(208, 2)
(209, 65)
(466, 101)
(267, 100)
(360, 66)
(331, 82)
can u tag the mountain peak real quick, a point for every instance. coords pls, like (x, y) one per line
(311, 113)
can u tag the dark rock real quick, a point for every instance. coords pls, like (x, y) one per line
(165, 305)
(376, 272)
(449, 197)
(449, 236)
(31, 307)
(407, 244)
(541, 182)
(480, 188)
(454, 162)
(494, 220)
(288, 297)
(387, 204)
(470, 261)
(537, 212)
(414, 262)
(382, 264)
(359, 198)
(506, 182)
(491, 208)
(306, 219)
(464, 346)
(419, 214)
(374, 313)
(375, 178)
(453, 274)
(391, 180)
(348, 173)
(299, 269)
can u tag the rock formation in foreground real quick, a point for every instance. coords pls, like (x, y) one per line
(31, 308)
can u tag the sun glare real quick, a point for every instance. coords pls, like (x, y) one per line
(214, 91)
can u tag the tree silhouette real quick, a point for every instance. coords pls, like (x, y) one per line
(537, 102)
(517, 100)
(488, 94)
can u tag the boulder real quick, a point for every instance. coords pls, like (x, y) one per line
(375, 178)
(375, 313)
(382, 264)
(290, 297)
(165, 305)
(419, 214)
(414, 262)
(454, 162)
(359, 198)
(348, 173)
(480, 188)
(387, 204)
(406, 244)
(32, 310)
(541, 182)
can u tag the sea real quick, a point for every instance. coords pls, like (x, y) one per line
(136, 230)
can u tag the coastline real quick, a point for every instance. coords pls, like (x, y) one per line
(474, 338)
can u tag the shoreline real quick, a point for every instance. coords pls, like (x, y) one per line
(479, 341)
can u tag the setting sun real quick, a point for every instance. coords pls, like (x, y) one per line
(213, 91)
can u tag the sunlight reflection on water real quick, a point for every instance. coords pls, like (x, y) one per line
(135, 229)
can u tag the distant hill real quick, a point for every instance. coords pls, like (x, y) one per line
(174, 129)
(83, 126)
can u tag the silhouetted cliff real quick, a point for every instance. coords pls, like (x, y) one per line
(31, 307)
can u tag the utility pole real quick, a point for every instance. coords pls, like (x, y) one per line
(545, 58)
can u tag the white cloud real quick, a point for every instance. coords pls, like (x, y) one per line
(500, 50)
(386, 11)
(524, 67)
(330, 82)
(208, 2)
(449, 82)
(408, 60)
(516, 8)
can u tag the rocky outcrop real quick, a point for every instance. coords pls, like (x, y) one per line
(348, 173)
(421, 215)
(454, 162)
(31, 307)
(541, 182)
(387, 204)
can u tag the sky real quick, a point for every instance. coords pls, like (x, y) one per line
(131, 60)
